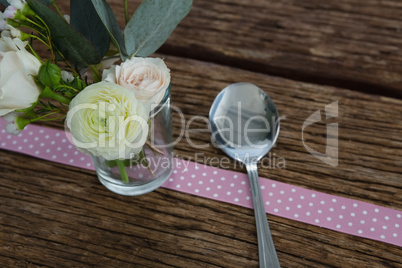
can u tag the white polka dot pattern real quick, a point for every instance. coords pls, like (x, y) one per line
(46, 143)
(297, 203)
(335, 213)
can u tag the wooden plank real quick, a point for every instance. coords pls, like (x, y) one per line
(51, 214)
(369, 130)
(340, 43)
(344, 43)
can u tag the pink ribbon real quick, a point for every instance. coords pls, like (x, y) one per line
(332, 212)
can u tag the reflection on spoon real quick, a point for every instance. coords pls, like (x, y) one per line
(245, 124)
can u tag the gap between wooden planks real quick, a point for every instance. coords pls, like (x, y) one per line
(347, 44)
(51, 213)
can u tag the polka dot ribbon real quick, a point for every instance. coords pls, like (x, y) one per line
(284, 200)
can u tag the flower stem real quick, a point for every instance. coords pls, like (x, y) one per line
(95, 73)
(74, 70)
(66, 86)
(57, 9)
(36, 24)
(48, 119)
(122, 169)
(49, 36)
(34, 53)
(126, 11)
(39, 39)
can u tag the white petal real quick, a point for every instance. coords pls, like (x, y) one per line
(10, 11)
(108, 62)
(9, 65)
(12, 129)
(18, 92)
(19, 4)
(67, 18)
(11, 117)
(67, 76)
(3, 23)
(7, 44)
(15, 33)
(29, 62)
(109, 75)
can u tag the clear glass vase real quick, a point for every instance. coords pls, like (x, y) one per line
(149, 169)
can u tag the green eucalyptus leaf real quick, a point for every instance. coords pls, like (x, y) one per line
(4, 3)
(46, 2)
(75, 47)
(152, 24)
(109, 21)
(85, 19)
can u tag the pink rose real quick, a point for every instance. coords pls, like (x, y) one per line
(147, 77)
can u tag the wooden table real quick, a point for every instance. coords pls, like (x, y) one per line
(305, 55)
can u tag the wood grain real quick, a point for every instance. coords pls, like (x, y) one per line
(346, 43)
(53, 215)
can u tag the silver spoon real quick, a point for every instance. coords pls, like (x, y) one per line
(244, 123)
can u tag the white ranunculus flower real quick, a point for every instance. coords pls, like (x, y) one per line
(17, 66)
(107, 120)
(147, 77)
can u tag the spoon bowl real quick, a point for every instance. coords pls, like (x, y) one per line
(244, 123)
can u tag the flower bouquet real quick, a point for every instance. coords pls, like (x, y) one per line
(96, 79)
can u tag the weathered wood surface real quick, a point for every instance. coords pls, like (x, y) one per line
(351, 44)
(347, 43)
(53, 215)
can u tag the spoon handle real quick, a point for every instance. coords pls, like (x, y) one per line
(266, 248)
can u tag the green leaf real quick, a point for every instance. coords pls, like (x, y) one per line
(4, 3)
(76, 48)
(109, 21)
(85, 19)
(152, 24)
(46, 2)
(29, 108)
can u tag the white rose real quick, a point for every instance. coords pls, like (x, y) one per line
(17, 86)
(8, 42)
(107, 120)
(147, 77)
